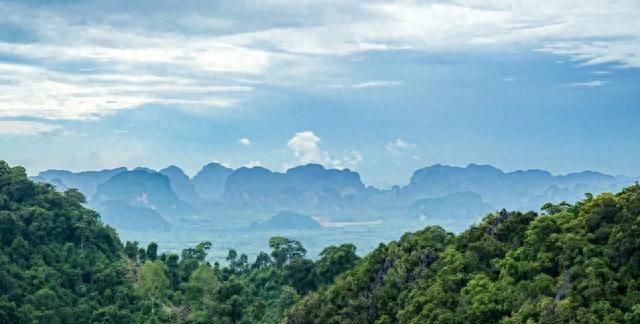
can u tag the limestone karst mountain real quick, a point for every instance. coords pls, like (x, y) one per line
(438, 193)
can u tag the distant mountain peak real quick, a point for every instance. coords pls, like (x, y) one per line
(145, 169)
(214, 166)
(309, 166)
(181, 184)
(256, 168)
(284, 220)
(309, 187)
(142, 188)
(313, 188)
(483, 167)
(210, 181)
(85, 181)
(173, 170)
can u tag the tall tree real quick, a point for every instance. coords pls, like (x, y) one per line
(152, 251)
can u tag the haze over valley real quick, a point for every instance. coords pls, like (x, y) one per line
(243, 207)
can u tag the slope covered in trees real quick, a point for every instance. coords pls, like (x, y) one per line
(59, 264)
(575, 264)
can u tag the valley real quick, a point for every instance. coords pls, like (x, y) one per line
(239, 208)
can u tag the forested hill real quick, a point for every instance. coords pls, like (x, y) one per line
(59, 264)
(573, 264)
(576, 264)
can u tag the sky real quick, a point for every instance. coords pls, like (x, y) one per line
(383, 88)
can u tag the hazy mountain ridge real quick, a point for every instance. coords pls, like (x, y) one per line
(521, 189)
(133, 192)
(449, 210)
(310, 188)
(438, 193)
(150, 189)
(85, 181)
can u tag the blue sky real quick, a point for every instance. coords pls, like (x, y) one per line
(380, 87)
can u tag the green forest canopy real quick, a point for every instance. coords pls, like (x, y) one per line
(572, 264)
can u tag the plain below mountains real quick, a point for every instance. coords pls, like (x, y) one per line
(145, 199)
(286, 220)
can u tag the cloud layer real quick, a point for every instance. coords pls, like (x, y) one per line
(81, 61)
(15, 127)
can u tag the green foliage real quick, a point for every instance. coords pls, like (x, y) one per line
(153, 281)
(199, 253)
(285, 250)
(152, 251)
(573, 264)
(333, 261)
(58, 263)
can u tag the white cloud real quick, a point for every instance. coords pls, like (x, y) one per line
(304, 146)
(366, 84)
(84, 71)
(253, 163)
(224, 163)
(245, 141)
(467, 25)
(18, 127)
(305, 149)
(623, 53)
(33, 91)
(589, 84)
(205, 58)
(512, 78)
(179, 52)
(350, 159)
(376, 84)
(399, 145)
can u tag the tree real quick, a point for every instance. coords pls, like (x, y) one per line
(231, 258)
(284, 250)
(201, 285)
(8, 228)
(152, 251)
(243, 263)
(142, 255)
(199, 253)
(172, 269)
(153, 282)
(288, 297)
(551, 208)
(334, 260)
(75, 196)
(299, 274)
(262, 260)
(131, 250)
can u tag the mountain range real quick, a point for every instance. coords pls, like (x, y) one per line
(145, 199)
